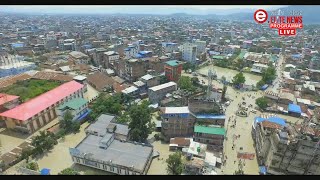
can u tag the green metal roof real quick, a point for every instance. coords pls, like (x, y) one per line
(241, 55)
(218, 57)
(210, 130)
(74, 103)
(173, 63)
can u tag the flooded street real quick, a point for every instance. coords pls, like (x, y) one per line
(91, 93)
(159, 165)
(251, 79)
(58, 158)
(243, 128)
(10, 139)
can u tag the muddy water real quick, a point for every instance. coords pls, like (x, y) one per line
(251, 79)
(59, 158)
(91, 93)
(158, 166)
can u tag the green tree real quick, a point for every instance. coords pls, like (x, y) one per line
(269, 74)
(105, 104)
(33, 166)
(43, 142)
(124, 118)
(186, 66)
(163, 79)
(224, 91)
(238, 79)
(25, 154)
(140, 124)
(174, 164)
(262, 102)
(186, 83)
(68, 124)
(68, 171)
(260, 83)
(195, 81)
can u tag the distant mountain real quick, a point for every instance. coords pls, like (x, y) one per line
(159, 10)
(310, 14)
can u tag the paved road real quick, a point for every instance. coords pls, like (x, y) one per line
(279, 70)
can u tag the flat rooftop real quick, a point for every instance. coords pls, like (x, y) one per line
(120, 153)
(163, 86)
(101, 124)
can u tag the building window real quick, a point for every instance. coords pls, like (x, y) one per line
(78, 160)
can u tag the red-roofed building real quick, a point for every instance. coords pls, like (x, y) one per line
(37, 112)
(8, 101)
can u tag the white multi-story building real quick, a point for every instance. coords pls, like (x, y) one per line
(156, 93)
(131, 51)
(189, 52)
(201, 47)
(110, 57)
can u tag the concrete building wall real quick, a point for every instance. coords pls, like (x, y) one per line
(296, 158)
(112, 168)
(156, 96)
(177, 126)
(39, 120)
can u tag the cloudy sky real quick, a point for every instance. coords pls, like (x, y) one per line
(137, 9)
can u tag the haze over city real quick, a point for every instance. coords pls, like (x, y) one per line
(137, 9)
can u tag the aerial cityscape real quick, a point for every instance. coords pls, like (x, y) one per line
(160, 90)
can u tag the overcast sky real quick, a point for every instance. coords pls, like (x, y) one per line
(137, 9)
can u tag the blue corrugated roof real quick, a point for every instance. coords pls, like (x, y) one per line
(139, 56)
(294, 108)
(84, 115)
(144, 52)
(16, 45)
(296, 55)
(276, 120)
(210, 116)
(87, 46)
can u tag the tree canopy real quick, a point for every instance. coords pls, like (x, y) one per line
(269, 74)
(186, 66)
(186, 83)
(238, 79)
(43, 142)
(68, 124)
(174, 164)
(140, 124)
(262, 102)
(68, 171)
(33, 166)
(110, 105)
